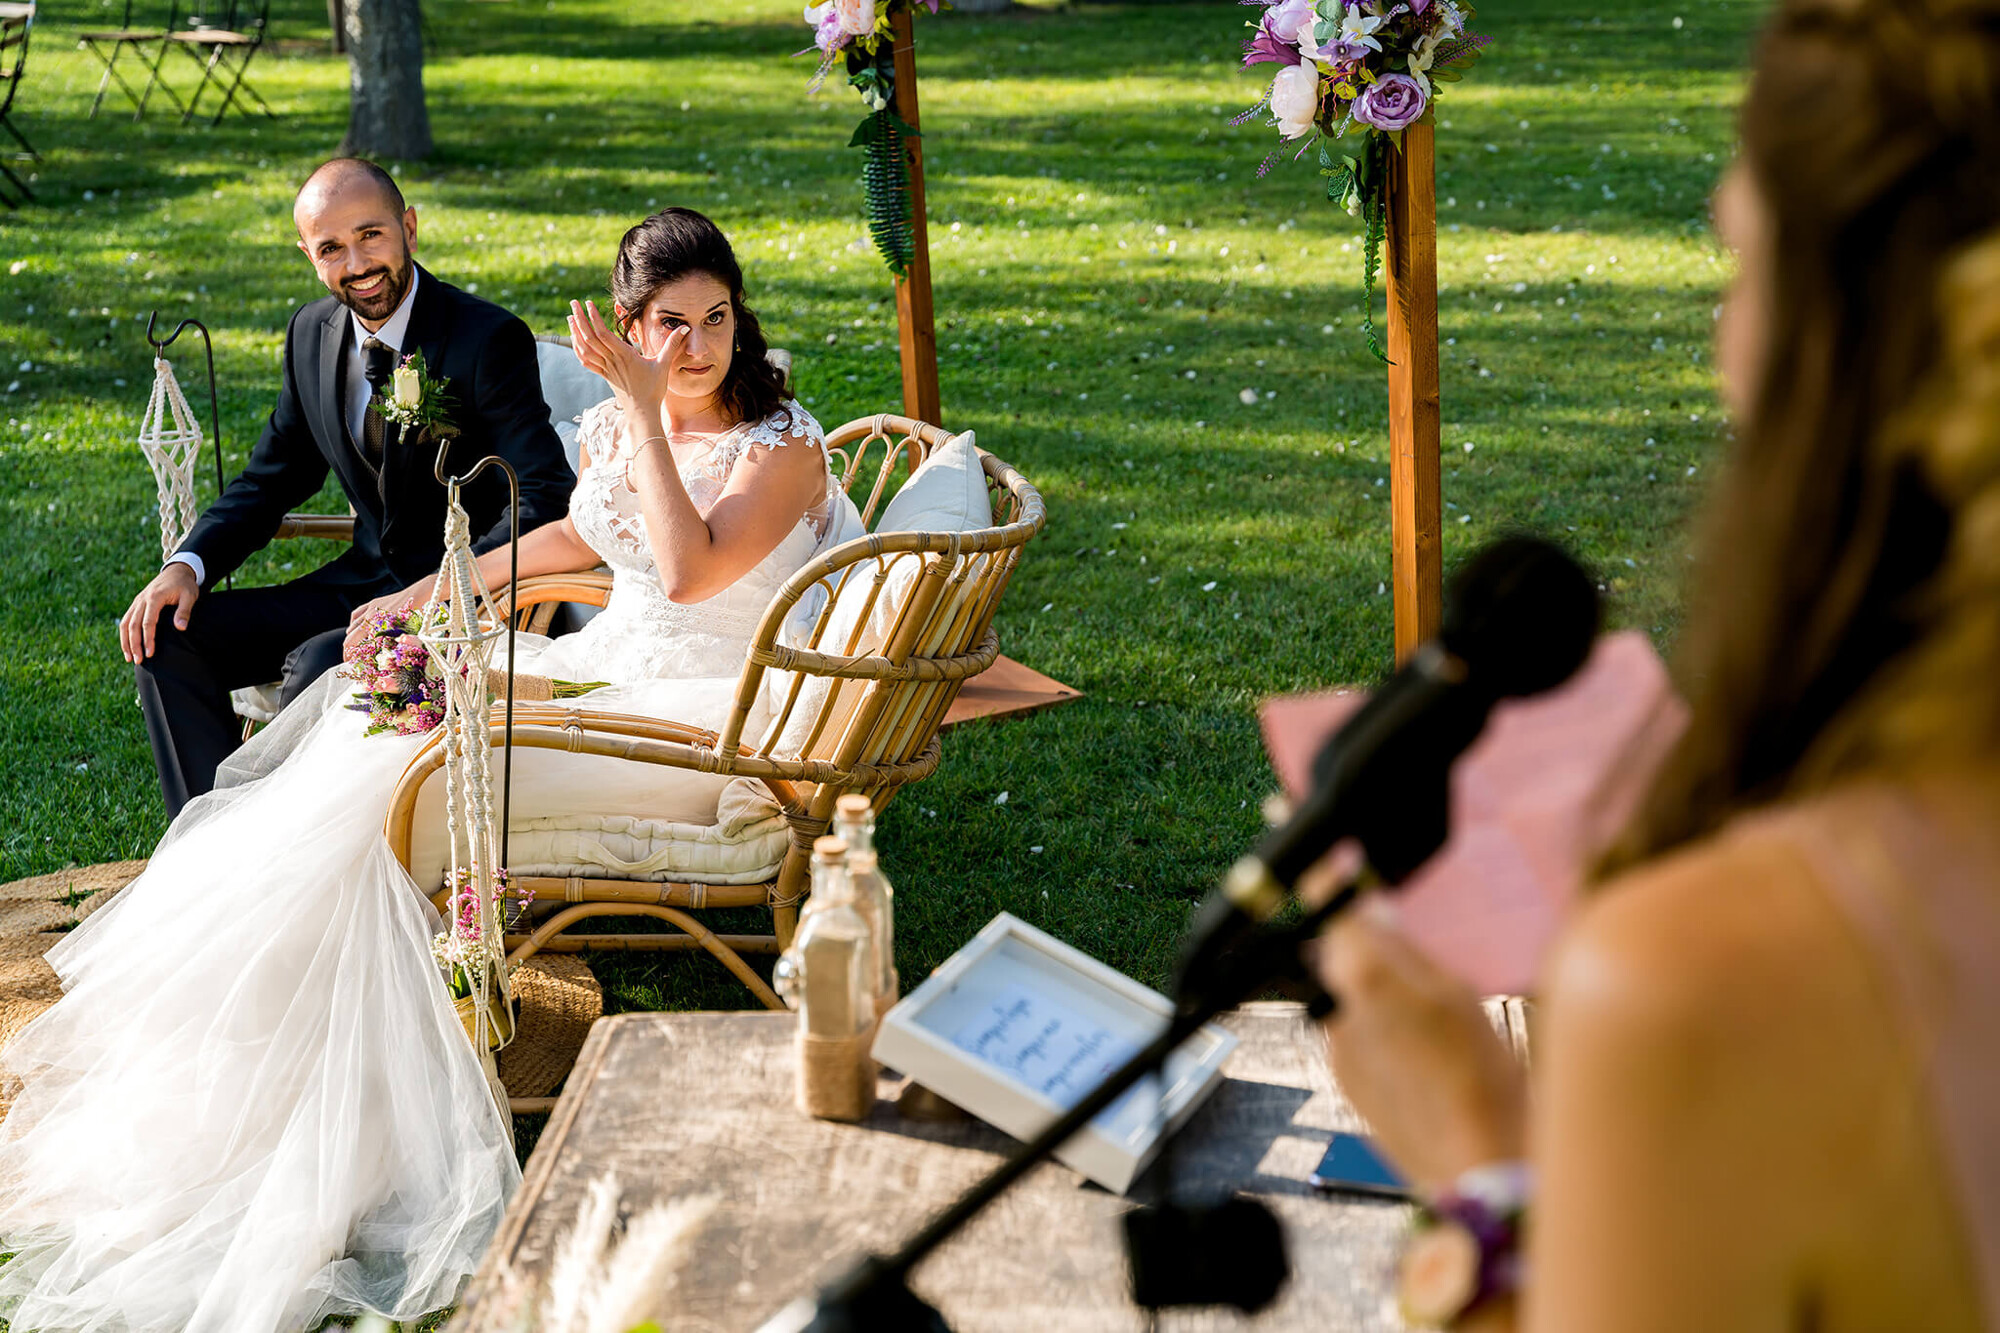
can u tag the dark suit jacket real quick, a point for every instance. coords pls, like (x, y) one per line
(487, 357)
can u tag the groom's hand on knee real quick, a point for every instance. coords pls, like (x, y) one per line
(172, 588)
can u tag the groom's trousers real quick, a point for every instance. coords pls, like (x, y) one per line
(251, 636)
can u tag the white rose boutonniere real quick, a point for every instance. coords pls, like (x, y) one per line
(417, 401)
(409, 387)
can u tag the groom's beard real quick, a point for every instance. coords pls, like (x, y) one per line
(381, 303)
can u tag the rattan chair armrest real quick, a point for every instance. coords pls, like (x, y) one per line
(592, 587)
(330, 527)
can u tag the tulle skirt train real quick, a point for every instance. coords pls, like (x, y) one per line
(254, 1105)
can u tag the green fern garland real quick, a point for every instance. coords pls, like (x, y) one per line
(886, 180)
(1360, 185)
(885, 171)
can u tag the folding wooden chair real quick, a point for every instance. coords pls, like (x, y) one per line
(108, 44)
(15, 22)
(232, 42)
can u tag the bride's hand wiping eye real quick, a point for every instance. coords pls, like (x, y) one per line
(632, 374)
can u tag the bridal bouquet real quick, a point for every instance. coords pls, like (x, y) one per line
(402, 687)
(1356, 74)
(857, 33)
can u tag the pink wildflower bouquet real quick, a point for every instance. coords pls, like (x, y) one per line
(1355, 74)
(856, 33)
(402, 689)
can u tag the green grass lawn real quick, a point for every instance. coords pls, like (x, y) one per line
(1111, 277)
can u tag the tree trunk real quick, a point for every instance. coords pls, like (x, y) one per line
(385, 55)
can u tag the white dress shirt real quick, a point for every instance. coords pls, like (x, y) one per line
(392, 332)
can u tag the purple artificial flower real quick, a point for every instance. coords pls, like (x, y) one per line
(1267, 49)
(1391, 103)
(1286, 19)
(825, 22)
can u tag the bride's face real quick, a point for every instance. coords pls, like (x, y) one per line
(700, 304)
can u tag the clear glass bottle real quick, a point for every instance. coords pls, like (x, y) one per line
(854, 823)
(834, 980)
(836, 971)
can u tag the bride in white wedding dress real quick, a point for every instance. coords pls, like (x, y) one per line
(254, 1105)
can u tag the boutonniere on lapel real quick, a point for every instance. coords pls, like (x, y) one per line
(418, 401)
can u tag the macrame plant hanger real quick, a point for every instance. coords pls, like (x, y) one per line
(170, 437)
(460, 625)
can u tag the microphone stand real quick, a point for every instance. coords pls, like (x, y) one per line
(874, 1295)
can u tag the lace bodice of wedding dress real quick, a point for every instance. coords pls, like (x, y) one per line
(642, 634)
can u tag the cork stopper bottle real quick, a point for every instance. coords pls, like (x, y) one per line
(834, 982)
(854, 824)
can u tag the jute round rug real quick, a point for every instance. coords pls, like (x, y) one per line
(556, 996)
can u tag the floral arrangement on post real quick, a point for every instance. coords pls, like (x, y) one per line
(1362, 68)
(857, 33)
(417, 401)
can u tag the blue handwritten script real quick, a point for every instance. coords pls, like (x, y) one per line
(1046, 1047)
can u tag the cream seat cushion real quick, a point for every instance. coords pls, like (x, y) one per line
(603, 817)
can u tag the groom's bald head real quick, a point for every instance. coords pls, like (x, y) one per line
(359, 234)
(344, 177)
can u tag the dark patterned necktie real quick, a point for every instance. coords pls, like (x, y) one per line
(378, 363)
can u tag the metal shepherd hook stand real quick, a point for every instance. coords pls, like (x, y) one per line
(452, 487)
(160, 346)
(458, 627)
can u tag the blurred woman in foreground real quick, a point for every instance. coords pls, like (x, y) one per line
(1767, 1076)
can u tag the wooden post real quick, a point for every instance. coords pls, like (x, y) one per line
(1415, 482)
(916, 326)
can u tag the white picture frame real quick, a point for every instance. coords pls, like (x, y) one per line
(1017, 1026)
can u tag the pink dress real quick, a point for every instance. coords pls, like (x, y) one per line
(1916, 870)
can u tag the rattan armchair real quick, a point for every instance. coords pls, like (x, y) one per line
(851, 716)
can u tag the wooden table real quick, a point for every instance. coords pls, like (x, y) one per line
(681, 1104)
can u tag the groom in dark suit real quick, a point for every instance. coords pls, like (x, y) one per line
(340, 356)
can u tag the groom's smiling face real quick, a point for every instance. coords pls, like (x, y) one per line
(359, 242)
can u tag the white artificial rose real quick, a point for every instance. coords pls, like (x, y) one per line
(409, 390)
(857, 17)
(1295, 99)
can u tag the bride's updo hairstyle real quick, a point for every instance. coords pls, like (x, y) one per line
(1845, 618)
(667, 247)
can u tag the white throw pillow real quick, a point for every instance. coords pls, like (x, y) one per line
(946, 494)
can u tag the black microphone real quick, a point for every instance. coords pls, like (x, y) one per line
(1521, 619)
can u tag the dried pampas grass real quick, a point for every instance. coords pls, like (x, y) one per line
(605, 1282)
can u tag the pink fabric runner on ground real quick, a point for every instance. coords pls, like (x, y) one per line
(1539, 794)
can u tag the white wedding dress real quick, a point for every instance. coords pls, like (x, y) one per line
(254, 1105)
